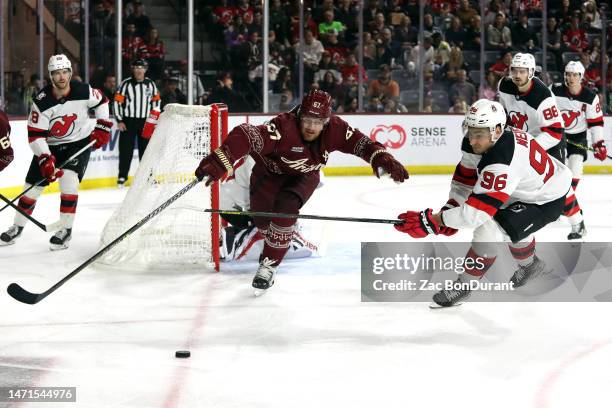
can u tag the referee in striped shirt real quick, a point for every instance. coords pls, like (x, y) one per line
(136, 98)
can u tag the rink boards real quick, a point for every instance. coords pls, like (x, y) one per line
(426, 143)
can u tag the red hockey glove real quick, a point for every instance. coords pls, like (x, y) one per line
(150, 123)
(214, 166)
(383, 160)
(418, 224)
(448, 231)
(600, 150)
(101, 133)
(46, 163)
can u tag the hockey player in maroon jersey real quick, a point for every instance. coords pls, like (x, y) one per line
(506, 187)
(56, 131)
(289, 150)
(6, 150)
(580, 111)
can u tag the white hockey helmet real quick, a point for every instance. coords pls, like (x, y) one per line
(485, 114)
(524, 60)
(59, 61)
(574, 67)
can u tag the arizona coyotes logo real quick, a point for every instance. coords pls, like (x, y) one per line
(518, 120)
(62, 126)
(570, 118)
(393, 136)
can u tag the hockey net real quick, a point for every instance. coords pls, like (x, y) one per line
(182, 234)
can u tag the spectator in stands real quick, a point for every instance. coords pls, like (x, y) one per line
(183, 78)
(501, 68)
(472, 35)
(514, 11)
(347, 15)
(236, 33)
(574, 37)
(331, 86)
(489, 90)
(139, 19)
(564, 14)
(250, 51)
(336, 48)
(449, 71)
(386, 38)
(312, 50)
(108, 89)
(352, 69)
(445, 17)
(384, 87)
(245, 11)
(153, 51)
(257, 23)
(460, 107)
(383, 56)
(465, 12)
(326, 62)
(553, 44)
(350, 106)
(533, 8)
(406, 33)
(495, 6)
(283, 81)
(440, 46)
(455, 35)
(462, 89)
(223, 92)
(223, 14)
(130, 46)
(279, 21)
(590, 16)
(376, 25)
(309, 24)
(393, 106)
(329, 24)
(592, 74)
(523, 36)
(369, 13)
(369, 50)
(172, 94)
(412, 56)
(287, 101)
(428, 25)
(375, 105)
(498, 34)
(102, 31)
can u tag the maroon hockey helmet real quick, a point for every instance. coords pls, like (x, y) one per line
(316, 104)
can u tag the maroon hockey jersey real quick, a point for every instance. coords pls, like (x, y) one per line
(279, 147)
(6, 150)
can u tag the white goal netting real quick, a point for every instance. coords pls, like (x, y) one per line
(181, 235)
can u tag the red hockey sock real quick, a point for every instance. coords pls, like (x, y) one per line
(277, 241)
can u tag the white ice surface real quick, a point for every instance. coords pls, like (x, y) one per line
(309, 342)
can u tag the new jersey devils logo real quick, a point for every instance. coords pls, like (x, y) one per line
(62, 126)
(518, 120)
(393, 136)
(570, 118)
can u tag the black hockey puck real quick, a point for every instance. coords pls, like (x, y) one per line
(182, 354)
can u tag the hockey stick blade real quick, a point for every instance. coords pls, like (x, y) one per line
(20, 294)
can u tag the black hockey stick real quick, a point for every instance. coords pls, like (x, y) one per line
(22, 295)
(68, 160)
(51, 227)
(590, 149)
(306, 216)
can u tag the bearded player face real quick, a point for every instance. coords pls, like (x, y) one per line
(61, 78)
(311, 128)
(520, 76)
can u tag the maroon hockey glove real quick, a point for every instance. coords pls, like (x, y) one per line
(448, 231)
(149, 126)
(46, 163)
(418, 224)
(600, 150)
(382, 160)
(101, 133)
(214, 166)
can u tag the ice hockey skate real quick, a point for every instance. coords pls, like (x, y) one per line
(60, 239)
(525, 273)
(264, 278)
(578, 231)
(450, 298)
(9, 237)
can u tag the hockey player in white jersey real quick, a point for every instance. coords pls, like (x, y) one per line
(57, 130)
(506, 187)
(580, 111)
(531, 106)
(241, 240)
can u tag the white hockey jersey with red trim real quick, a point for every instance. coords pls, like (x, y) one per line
(580, 112)
(60, 121)
(516, 168)
(534, 111)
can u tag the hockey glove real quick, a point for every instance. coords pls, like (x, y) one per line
(46, 163)
(383, 160)
(600, 150)
(448, 231)
(150, 123)
(418, 224)
(214, 166)
(101, 133)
